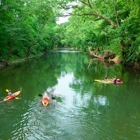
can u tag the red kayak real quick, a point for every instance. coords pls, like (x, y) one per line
(118, 82)
(11, 97)
(101, 58)
(45, 100)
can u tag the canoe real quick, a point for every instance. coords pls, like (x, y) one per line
(104, 81)
(11, 97)
(45, 100)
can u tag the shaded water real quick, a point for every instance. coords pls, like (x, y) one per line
(83, 109)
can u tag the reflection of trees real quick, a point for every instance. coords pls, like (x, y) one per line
(39, 74)
(108, 69)
(43, 72)
(102, 107)
(84, 84)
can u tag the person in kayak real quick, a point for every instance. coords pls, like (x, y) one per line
(10, 93)
(46, 97)
(114, 80)
(105, 78)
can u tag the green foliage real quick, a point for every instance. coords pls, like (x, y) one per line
(106, 25)
(20, 23)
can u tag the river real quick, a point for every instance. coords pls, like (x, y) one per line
(83, 109)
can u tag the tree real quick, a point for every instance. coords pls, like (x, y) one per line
(116, 25)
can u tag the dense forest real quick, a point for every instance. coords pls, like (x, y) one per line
(29, 28)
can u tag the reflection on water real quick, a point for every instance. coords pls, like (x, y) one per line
(100, 100)
(83, 109)
(67, 51)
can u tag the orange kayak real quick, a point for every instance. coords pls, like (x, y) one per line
(45, 100)
(11, 97)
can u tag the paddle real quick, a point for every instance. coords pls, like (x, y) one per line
(40, 95)
(7, 90)
(53, 98)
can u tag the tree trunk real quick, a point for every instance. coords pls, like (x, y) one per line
(97, 13)
(9, 53)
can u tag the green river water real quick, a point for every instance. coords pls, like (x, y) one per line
(83, 109)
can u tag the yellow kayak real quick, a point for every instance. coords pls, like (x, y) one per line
(104, 81)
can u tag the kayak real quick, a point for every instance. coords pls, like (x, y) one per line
(119, 82)
(104, 81)
(45, 100)
(109, 81)
(101, 58)
(11, 97)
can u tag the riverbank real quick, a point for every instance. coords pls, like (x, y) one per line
(132, 65)
(19, 60)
